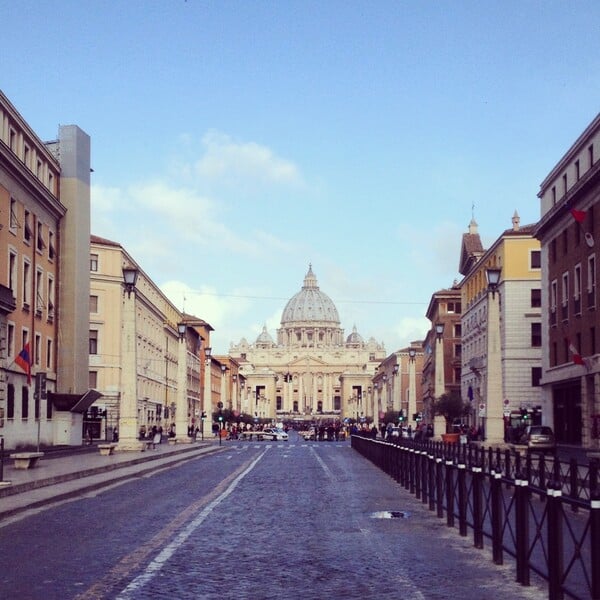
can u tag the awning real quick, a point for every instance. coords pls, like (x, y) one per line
(76, 403)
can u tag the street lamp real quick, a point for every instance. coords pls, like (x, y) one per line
(411, 408)
(130, 275)
(439, 423)
(128, 410)
(493, 279)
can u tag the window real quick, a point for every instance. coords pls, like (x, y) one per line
(93, 304)
(26, 284)
(51, 249)
(536, 376)
(50, 298)
(591, 154)
(12, 140)
(10, 401)
(577, 229)
(24, 403)
(93, 380)
(27, 233)
(51, 182)
(93, 341)
(536, 335)
(93, 262)
(564, 180)
(565, 242)
(454, 307)
(37, 350)
(457, 374)
(457, 330)
(553, 300)
(49, 357)
(591, 281)
(26, 156)
(39, 291)
(577, 170)
(565, 297)
(536, 298)
(40, 245)
(12, 272)
(38, 169)
(48, 408)
(535, 259)
(14, 223)
(553, 250)
(577, 289)
(553, 195)
(10, 339)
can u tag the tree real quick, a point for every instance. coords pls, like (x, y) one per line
(450, 406)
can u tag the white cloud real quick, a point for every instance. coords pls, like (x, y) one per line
(225, 158)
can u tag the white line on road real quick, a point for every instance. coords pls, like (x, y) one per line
(154, 567)
(323, 465)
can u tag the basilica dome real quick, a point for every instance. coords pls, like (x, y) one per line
(310, 304)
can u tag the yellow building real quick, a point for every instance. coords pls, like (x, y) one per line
(501, 330)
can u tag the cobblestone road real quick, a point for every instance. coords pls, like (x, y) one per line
(256, 521)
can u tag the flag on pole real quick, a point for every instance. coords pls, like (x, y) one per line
(577, 358)
(24, 361)
(578, 215)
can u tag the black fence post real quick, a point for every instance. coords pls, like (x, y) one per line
(439, 486)
(496, 515)
(431, 474)
(477, 476)
(450, 493)
(1, 458)
(595, 542)
(417, 465)
(462, 498)
(555, 542)
(424, 480)
(522, 529)
(573, 482)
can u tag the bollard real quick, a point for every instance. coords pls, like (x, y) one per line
(462, 499)
(595, 542)
(555, 542)
(496, 516)
(431, 475)
(522, 529)
(449, 493)
(417, 478)
(477, 506)
(439, 486)
(424, 480)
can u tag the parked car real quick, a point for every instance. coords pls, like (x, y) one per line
(309, 434)
(275, 434)
(540, 437)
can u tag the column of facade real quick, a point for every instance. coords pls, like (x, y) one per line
(494, 421)
(181, 407)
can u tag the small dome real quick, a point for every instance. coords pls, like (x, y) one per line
(265, 338)
(354, 337)
(310, 304)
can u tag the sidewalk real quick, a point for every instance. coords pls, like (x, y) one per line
(68, 474)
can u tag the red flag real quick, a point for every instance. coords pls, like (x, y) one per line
(24, 361)
(578, 215)
(577, 358)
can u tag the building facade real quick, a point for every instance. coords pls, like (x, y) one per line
(501, 332)
(568, 232)
(312, 371)
(44, 232)
(169, 349)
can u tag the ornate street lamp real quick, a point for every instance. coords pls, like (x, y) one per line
(493, 279)
(130, 275)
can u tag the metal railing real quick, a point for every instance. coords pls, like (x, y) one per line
(543, 513)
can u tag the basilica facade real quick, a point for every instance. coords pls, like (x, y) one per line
(312, 371)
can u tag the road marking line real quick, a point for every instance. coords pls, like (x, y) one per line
(323, 465)
(154, 567)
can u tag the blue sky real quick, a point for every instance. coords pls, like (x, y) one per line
(246, 140)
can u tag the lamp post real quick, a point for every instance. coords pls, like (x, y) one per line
(439, 423)
(370, 400)
(494, 419)
(223, 392)
(128, 410)
(208, 411)
(411, 407)
(386, 399)
(181, 409)
(395, 404)
(234, 393)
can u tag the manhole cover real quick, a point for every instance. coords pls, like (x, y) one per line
(390, 514)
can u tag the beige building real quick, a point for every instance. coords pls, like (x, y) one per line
(501, 330)
(44, 235)
(312, 371)
(168, 359)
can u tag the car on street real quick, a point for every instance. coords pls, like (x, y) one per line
(275, 434)
(540, 437)
(309, 434)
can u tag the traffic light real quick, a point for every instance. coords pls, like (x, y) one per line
(203, 415)
(524, 414)
(401, 416)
